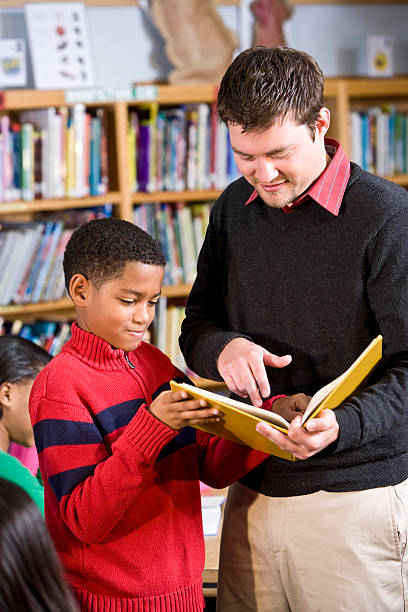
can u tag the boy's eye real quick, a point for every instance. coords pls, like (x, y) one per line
(129, 302)
(154, 303)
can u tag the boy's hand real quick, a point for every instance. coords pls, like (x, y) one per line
(290, 406)
(4, 438)
(177, 411)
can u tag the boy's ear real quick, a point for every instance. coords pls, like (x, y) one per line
(78, 289)
(5, 394)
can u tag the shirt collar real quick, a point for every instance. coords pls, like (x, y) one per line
(329, 188)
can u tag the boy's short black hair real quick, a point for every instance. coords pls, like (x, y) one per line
(100, 249)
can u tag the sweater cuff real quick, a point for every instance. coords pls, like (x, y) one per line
(147, 434)
(267, 405)
(349, 430)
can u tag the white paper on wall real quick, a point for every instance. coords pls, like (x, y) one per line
(59, 45)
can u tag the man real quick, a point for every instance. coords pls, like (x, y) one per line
(306, 255)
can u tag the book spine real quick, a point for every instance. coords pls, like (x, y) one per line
(27, 159)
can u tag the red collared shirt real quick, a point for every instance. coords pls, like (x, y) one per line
(328, 189)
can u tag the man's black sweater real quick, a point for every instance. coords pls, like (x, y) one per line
(320, 288)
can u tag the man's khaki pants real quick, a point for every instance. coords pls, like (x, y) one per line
(323, 552)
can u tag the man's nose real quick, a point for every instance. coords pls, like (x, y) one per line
(266, 171)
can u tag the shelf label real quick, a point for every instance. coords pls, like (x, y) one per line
(145, 92)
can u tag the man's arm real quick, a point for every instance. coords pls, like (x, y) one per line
(381, 407)
(209, 346)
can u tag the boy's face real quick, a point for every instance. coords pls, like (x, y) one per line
(121, 310)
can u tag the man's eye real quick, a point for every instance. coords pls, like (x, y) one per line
(129, 302)
(154, 303)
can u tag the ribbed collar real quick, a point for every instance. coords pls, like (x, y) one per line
(329, 188)
(94, 350)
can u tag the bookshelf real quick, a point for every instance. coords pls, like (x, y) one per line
(342, 96)
(359, 94)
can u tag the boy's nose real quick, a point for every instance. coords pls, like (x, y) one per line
(140, 314)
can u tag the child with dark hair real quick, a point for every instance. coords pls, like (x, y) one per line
(31, 578)
(20, 362)
(121, 465)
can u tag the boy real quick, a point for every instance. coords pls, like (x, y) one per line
(121, 469)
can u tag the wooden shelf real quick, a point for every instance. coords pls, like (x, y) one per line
(42, 308)
(176, 196)
(112, 197)
(400, 179)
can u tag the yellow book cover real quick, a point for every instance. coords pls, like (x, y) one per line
(240, 419)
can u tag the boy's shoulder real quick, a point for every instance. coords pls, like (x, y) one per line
(58, 373)
(153, 362)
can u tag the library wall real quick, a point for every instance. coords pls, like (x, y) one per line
(126, 47)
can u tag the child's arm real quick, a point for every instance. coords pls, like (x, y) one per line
(85, 476)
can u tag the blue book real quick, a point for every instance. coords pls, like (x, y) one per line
(46, 261)
(37, 262)
(95, 157)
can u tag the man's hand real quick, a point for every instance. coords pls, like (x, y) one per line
(304, 442)
(291, 406)
(242, 366)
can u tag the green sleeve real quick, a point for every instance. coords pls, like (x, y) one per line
(12, 469)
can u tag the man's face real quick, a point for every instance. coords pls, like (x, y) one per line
(121, 310)
(281, 161)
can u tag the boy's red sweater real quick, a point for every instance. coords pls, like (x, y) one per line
(122, 498)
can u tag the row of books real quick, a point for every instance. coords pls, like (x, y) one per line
(180, 228)
(173, 149)
(31, 255)
(54, 153)
(51, 335)
(379, 140)
(166, 330)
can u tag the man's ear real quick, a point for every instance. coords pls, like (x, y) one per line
(79, 289)
(323, 121)
(5, 394)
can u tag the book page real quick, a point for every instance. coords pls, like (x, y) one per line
(338, 390)
(260, 413)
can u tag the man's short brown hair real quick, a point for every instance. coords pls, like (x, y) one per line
(264, 85)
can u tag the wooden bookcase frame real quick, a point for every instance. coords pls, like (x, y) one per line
(342, 94)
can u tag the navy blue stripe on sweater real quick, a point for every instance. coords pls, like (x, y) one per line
(117, 416)
(65, 482)
(186, 437)
(56, 432)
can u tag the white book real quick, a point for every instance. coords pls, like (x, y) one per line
(8, 251)
(355, 137)
(221, 147)
(79, 135)
(203, 179)
(42, 119)
(18, 263)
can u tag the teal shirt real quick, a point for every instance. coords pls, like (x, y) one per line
(12, 469)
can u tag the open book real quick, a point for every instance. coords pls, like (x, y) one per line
(240, 419)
